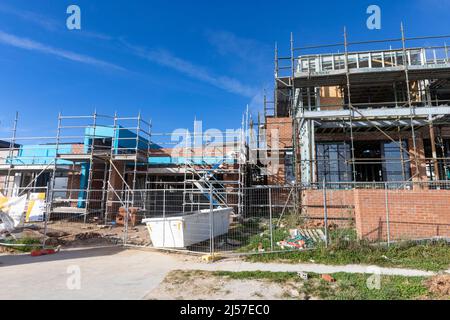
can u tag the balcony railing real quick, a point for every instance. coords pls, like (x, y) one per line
(372, 60)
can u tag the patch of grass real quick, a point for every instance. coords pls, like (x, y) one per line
(354, 287)
(340, 235)
(246, 230)
(292, 220)
(258, 275)
(432, 256)
(32, 244)
(347, 286)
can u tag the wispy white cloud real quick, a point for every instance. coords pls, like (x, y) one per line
(247, 50)
(257, 102)
(31, 45)
(242, 53)
(95, 35)
(33, 17)
(49, 23)
(167, 59)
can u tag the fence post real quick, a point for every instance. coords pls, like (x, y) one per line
(270, 219)
(211, 221)
(127, 212)
(164, 216)
(325, 212)
(388, 228)
(48, 208)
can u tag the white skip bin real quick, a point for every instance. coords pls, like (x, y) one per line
(181, 231)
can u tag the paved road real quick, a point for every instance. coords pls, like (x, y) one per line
(115, 273)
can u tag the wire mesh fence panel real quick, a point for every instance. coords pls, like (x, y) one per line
(255, 219)
(417, 211)
(77, 218)
(339, 209)
(174, 219)
(274, 218)
(249, 230)
(233, 220)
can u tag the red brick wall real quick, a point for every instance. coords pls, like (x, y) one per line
(340, 205)
(278, 129)
(284, 128)
(78, 149)
(412, 214)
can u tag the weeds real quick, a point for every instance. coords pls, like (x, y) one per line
(433, 256)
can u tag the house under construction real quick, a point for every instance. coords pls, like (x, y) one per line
(363, 116)
(349, 121)
(97, 164)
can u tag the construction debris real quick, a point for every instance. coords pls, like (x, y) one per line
(133, 218)
(303, 275)
(44, 252)
(328, 278)
(299, 242)
(302, 238)
(261, 247)
(88, 235)
(211, 257)
(315, 235)
(56, 234)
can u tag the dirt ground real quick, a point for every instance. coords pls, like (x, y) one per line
(79, 234)
(73, 235)
(199, 285)
(439, 286)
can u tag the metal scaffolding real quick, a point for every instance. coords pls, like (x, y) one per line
(392, 93)
(109, 161)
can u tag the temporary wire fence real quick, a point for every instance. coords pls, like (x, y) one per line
(258, 219)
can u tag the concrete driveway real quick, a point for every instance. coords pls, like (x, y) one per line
(104, 273)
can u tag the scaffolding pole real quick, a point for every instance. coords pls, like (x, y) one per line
(12, 146)
(347, 76)
(411, 107)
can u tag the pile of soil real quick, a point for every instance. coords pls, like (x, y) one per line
(439, 286)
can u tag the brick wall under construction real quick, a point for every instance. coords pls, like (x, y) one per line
(280, 130)
(412, 214)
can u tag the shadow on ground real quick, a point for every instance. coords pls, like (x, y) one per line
(80, 253)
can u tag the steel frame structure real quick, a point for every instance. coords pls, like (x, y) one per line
(298, 77)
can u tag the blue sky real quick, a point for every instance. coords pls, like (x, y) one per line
(172, 60)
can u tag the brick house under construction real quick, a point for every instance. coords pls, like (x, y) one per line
(367, 116)
(372, 127)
